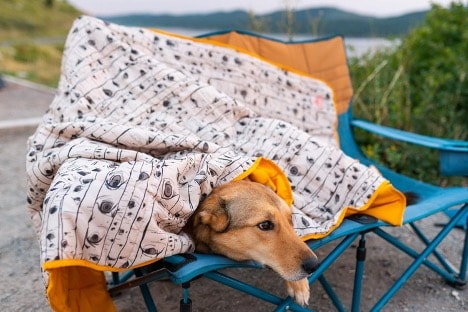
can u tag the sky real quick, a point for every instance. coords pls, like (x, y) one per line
(380, 8)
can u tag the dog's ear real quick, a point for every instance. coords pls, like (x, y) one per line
(213, 213)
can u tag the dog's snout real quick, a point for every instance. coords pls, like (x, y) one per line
(310, 265)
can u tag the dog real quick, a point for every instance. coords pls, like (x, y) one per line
(245, 220)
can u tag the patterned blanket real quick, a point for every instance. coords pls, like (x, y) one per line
(145, 124)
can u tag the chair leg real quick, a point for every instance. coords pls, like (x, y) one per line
(464, 262)
(448, 266)
(115, 278)
(331, 294)
(418, 261)
(150, 305)
(360, 261)
(185, 302)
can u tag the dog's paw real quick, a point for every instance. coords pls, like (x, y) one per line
(299, 290)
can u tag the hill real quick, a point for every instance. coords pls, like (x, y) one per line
(26, 19)
(317, 21)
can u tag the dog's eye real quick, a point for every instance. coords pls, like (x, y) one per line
(266, 226)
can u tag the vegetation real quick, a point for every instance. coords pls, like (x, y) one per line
(419, 86)
(38, 63)
(22, 19)
(32, 34)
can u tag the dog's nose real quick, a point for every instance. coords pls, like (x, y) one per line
(310, 265)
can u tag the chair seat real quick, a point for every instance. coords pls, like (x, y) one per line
(184, 268)
(437, 202)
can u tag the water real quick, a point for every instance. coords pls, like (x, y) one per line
(355, 47)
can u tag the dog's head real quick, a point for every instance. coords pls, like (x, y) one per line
(246, 220)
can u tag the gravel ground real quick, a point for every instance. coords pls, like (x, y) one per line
(22, 288)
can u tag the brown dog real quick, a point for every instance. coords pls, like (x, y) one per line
(246, 220)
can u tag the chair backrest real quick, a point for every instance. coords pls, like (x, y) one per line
(324, 59)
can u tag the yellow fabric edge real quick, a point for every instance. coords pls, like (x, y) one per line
(268, 173)
(55, 264)
(79, 285)
(247, 172)
(77, 289)
(251, 54)
(386, 204)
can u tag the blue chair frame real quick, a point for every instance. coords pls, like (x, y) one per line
(182, 269)
(432, 199)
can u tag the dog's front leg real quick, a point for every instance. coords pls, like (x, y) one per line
(299, 290)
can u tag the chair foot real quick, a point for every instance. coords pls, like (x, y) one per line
(186, 305)
(457, 284)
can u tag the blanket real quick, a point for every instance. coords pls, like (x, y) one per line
(145, 124)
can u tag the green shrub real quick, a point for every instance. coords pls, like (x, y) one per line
(419, 86)
(437, 64)
(28, 53)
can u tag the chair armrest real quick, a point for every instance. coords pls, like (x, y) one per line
(418, 139)
(453, 153)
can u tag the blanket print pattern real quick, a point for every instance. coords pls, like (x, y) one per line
(145, 124)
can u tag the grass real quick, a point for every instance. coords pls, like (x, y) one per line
(22, 24)
(38, 63)
(23, 19)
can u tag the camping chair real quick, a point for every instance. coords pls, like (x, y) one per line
(326, 60)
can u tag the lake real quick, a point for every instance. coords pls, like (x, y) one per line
(354, 46)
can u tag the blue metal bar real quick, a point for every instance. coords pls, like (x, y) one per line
(185, 294)
(290, 305)
(144, 289)
(282, 305)
(360, 261)
(332, 256)
(118, 278)
(464, 262)
(410, 252)
(185, 302)
(413, 267)
(410, 137)
(331, 294)
(326, 263)
(244, 287)
(448, 266)
(150, 305)
(115, 278)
